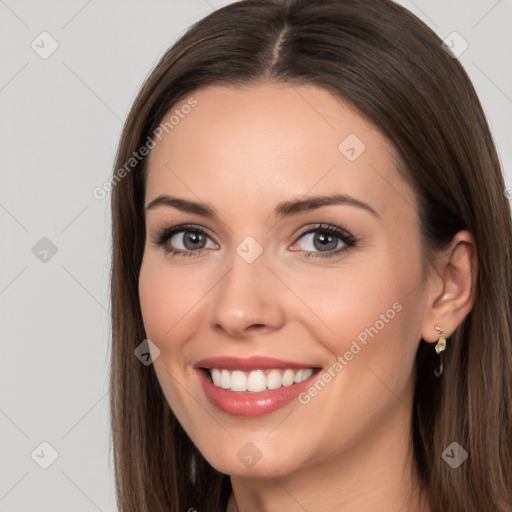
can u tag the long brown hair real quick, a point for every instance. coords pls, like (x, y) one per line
(382, 60)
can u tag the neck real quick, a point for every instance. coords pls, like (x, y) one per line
(375, 472)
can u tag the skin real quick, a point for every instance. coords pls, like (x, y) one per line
(243, 151)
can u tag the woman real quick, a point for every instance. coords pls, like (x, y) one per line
(312, 245)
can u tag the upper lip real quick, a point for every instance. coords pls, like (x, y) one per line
(249, 363)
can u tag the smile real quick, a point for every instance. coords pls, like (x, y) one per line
(253, 386)
(258, 380)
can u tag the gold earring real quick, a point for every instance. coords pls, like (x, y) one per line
(441, 342)
(440, 346)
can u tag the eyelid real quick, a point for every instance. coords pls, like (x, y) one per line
(330, 228)
(166, 233)
(346, 237)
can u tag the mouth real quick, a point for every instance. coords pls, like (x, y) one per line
(253, 386)
(256, 381)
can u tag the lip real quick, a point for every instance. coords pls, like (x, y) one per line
(245, 403)
(249, 363)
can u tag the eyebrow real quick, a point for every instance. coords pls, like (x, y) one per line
(284, 209)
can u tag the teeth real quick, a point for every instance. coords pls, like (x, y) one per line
(255, 382)
(238, 381)
(258, 380)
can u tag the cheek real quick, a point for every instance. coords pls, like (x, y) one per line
(162, 304)
(366, 312)
(167, 298)
(154, 300)
(344, 302)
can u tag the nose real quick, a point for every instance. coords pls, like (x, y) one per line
(247, 300)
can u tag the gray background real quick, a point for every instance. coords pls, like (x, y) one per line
(60, 121)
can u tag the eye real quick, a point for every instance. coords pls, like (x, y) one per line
(190, 240)
(184, 240)
(327, 240)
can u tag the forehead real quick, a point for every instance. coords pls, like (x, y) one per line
(263, 144)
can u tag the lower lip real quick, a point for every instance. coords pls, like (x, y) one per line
(239, 403)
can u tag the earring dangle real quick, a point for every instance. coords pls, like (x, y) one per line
(439, 347)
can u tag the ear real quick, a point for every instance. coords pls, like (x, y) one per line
(451, 287)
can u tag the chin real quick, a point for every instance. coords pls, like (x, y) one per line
(255, 459)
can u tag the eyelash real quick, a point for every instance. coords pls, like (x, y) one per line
(347, 238)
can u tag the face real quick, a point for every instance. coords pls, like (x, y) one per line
(314, 308)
